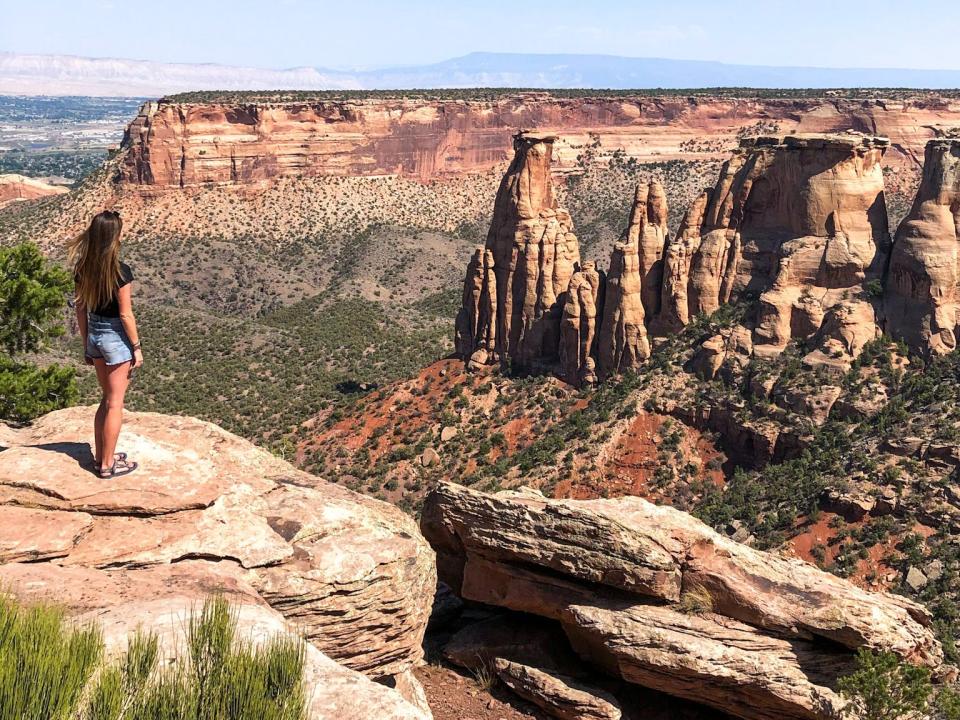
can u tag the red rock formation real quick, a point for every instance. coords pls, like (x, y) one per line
(175, 144)
(623, 341)
(922, 294)
(578, 328)
(647, 231)
(674, 302)
(534, 253)
(476, 323)
(800, 222)
(20, 187)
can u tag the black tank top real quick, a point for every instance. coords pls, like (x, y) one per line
(112, 308)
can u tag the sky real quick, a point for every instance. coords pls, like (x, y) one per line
(363, 34)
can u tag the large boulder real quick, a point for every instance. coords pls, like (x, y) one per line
(619, 574)
(353, 574)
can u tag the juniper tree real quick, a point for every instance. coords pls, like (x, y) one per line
(32, 299)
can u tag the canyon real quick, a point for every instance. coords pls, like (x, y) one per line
(729, 352)
(243, 138)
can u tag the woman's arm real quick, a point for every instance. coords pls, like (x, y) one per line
(125, 301)
(81, 311)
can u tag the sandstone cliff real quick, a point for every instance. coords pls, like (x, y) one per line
(20, 187)
(179, 144)
(922, 293)
(655, 598)
(208, 512)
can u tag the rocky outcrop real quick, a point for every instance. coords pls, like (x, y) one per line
(767, 635)
(922, 293)
(160, 599)
(20, 187)
(796, 226)
(800, 222)
(534, 255)
(174, 144)
(209, 512)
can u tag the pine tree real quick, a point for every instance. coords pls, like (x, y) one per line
(32, 299)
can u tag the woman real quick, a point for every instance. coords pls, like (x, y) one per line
(109, 330)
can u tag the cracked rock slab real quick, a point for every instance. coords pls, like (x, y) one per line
(560, 696)
(353, 574)
(712, 660)
(30, 534)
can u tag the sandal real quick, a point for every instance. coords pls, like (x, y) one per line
(116, 456)
(121, 456)
(112, 472)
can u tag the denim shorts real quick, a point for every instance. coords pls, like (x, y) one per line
(107, 339)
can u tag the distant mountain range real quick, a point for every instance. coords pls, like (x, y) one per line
(69, 75)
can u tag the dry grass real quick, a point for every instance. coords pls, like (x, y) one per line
(696, 600)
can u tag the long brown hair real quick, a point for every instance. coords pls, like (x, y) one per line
(95, 255)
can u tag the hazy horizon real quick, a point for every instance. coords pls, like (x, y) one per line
(372, 34)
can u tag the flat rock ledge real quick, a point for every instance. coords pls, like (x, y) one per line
(653, 597)
(208, 512)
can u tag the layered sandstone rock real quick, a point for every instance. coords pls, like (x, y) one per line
(795, 226)
(623, 341)
(579, 323)
(800, 222)
(181, 144)
(210, 511)
(922, 293)
(711, 659)
(612, 573)
(534, 254)
(647, 232)
(160, 599)
(19, 187)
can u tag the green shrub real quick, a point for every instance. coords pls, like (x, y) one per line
(32, 299)
(885, 688)
(45, 665)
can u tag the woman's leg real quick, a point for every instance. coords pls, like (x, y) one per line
(101, 368)
(114, 384)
